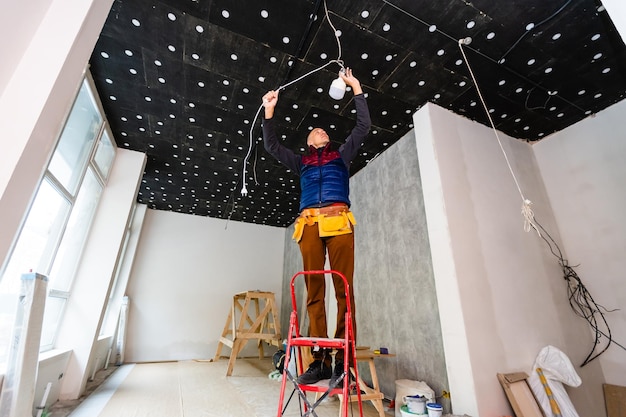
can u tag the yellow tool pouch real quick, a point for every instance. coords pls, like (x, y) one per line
(335, 225)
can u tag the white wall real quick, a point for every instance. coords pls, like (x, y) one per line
(617, 12)
(187, 270)
(38, 89)
(585, 175)
(501, 293)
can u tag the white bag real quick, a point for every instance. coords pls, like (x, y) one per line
(558, 370)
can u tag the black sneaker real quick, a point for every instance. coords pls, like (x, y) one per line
(317, 371)
(337, 376)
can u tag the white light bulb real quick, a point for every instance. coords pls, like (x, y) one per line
(337, 89)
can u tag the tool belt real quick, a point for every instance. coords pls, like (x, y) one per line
(331, 221)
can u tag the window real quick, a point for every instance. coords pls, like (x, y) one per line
(58, 221)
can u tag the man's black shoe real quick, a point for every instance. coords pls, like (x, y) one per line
(337, 377)
(317, 371)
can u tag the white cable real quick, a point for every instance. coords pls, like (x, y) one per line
(338, 61)
(529, 217)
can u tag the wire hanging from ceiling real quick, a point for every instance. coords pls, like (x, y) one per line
(251, 145)
(338, 61)
(580, 300)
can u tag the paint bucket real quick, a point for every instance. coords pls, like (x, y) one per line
(434, 409)
(416, 404)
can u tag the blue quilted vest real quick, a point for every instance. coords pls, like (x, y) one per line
(324, 179)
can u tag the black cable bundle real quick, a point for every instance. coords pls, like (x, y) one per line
(581, 301)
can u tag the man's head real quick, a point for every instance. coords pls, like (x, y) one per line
(318, 138)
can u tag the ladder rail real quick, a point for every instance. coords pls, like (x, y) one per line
(294, 340)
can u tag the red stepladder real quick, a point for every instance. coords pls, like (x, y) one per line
(295, 342)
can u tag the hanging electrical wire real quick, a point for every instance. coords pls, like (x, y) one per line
(580, 300)
(251, 145)
(338, 61)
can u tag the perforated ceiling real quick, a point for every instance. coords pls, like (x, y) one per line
(182, 81)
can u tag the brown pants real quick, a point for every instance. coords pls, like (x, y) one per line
(341, 258)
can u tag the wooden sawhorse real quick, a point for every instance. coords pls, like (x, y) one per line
(372, 394)
(257, 319)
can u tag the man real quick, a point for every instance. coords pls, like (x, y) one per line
(325, 224)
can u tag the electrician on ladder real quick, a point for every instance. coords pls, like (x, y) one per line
(325, 224)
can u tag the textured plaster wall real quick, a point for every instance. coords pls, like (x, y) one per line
(396, 304)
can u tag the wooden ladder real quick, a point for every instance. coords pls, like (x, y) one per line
(253, 315)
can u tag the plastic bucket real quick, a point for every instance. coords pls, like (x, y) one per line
(407, 387)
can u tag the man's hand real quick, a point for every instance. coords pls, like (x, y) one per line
(270, 99)
(351, 80)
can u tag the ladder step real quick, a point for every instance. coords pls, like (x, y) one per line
(318, 341)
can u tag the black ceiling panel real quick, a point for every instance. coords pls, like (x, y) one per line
(182, 81)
